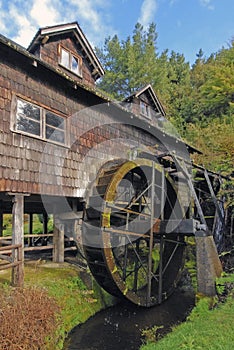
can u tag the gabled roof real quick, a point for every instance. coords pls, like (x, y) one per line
(148, 89)
(74, 28)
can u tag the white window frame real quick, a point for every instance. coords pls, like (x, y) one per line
(43, 124)
(145, 109)
(71, 56)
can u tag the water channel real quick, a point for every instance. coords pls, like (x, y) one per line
(120, 326)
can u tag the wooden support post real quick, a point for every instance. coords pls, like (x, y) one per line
(30, 229)
(1, 223)
(45, 223)
(58, 240)
(45, 228)
(18, 238)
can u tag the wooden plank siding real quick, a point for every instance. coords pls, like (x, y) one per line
(21, 155)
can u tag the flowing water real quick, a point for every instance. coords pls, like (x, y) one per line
(120, 326)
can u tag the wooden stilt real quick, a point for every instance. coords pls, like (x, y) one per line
(30, 229)
(45, 223)
(1, 223)
(18, 238)
(58, 240)
(45, 228)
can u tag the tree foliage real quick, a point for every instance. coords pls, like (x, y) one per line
(129, 64)
(198, 100)
(135, 62)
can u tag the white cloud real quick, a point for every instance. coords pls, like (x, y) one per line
(26, 29)
(2, 15)
(20, 19)
(88, 13)
(92, 15)
(207, 3)
(44, 13)
(148, 11)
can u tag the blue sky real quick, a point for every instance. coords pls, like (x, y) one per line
(184, 26)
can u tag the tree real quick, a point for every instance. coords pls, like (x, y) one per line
(218, 90)
(212, 87)
(129, 64)
(199, 101)
(177, 89)
(134, 63)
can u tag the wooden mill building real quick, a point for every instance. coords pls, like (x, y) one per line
(57, 129)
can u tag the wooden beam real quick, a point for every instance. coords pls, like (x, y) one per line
(7, 266)
(221, 216)
(151, 239)
(128, 233)
(38, 248)
(10, 247)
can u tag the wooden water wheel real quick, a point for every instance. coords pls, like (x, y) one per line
(127, 252)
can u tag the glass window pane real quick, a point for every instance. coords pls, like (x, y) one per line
(55, 135)
(142, 105)
(54, 120)
(28, 110)
(75, 65)
(27, 125)
(145, 110)
(64, 58)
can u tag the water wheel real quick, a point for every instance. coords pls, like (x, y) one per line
(126, 250)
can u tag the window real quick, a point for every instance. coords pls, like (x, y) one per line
(54, 128)
(145, 109)
(28, 118)
(70, 61)
(39, 122)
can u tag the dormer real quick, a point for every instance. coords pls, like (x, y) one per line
(146, 105)
(65, 47)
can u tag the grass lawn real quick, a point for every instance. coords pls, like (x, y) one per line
(209, 326)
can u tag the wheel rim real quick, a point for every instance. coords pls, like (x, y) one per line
(126, 252)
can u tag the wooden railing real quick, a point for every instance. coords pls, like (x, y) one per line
(12, 255)
(8, 239)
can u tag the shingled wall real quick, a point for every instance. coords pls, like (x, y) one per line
(67, 169)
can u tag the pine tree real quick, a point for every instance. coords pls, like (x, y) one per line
(129, 64)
